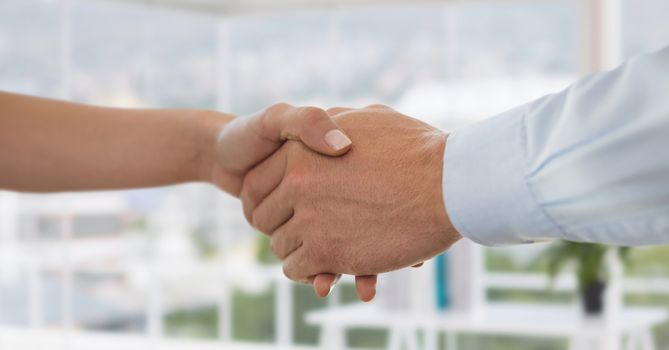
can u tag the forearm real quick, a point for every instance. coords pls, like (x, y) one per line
(51, 146)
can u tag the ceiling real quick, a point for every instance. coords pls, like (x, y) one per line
(252, 6)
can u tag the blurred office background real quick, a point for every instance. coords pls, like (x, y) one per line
(178, 267)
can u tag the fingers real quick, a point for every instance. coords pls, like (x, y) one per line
(275, 210)
(285, 241)
(311, 125)
(261, 181)
(267, 202)
(366, 287)
(299, 265)
(324, 282)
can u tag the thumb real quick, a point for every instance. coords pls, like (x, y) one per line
(310, 125)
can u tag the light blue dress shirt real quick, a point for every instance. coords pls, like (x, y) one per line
(590, 164)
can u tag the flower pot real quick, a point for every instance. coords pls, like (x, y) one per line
(592, 298)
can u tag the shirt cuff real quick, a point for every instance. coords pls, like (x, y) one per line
(486, 194)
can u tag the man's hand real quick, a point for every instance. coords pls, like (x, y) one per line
(376, 209)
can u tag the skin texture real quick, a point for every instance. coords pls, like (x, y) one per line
(54, 146)
(376, 209)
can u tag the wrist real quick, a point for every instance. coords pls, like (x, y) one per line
(208, 127)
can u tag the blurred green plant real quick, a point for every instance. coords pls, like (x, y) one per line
(587, 257)
(590, 268)
(652, 261)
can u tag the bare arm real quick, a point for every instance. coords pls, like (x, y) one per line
(48, 145)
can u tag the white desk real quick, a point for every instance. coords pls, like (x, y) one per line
(634, 325)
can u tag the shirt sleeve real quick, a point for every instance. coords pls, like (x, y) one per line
(588, 164)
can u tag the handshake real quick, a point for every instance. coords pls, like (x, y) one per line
(342, 191)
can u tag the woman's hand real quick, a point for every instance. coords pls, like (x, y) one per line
(245, 142)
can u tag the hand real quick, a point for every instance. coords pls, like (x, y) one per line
(244, 142)
(376, 209)
(365, 285)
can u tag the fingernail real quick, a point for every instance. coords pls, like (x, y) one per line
(337, 140)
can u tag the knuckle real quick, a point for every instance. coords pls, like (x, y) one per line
(250, 199)
(258, 221)
(289, 272)
(335, 110)
(248, 212)
(284, 242)
(295, 150)
(271, 116)
(296, 179)
(249, 192)
(275, 245)
(312, 115)
(377, 106)
(278, 108)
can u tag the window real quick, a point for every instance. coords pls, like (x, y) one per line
(180, 262)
